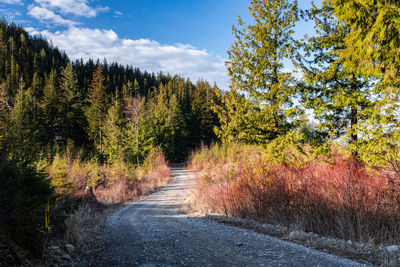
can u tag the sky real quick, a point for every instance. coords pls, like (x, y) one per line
(185, 37)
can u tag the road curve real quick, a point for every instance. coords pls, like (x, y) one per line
(152, 232)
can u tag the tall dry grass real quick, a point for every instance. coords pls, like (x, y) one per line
(337, 197)
(114, 183)
(86, 189)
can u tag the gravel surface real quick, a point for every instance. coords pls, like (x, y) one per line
(152, 232)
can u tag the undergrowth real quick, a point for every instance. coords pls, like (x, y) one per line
(334, 196)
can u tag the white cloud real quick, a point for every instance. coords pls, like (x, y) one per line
(12, 2)
(146, 54)
(45, 15)
(76, 7)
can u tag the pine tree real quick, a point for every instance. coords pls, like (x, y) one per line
(202, 118)
(133, 114)
(256, 67)
(341, 99)
(4, 117)
(373, 38)
(240, 119)
(50, 108)
(73, 120)
(24, 133)
(136, 88)
(127, 90)
(112, 132)
(96, 111)
(371, 50)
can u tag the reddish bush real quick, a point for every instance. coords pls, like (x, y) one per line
(340, 198)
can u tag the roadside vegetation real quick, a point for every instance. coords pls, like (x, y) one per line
(334, 173)
(78, 137)
(333, 195)
(315, 148)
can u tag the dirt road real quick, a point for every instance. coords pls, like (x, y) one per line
(152, 232)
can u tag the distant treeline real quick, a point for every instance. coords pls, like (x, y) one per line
(109, 110)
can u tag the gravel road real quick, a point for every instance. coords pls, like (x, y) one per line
(152, 232)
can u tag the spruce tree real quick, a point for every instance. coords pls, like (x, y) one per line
(50, 108)
(371, 50)
(4, 116)
(341, 99)
(112, 132)
(127, 90)
(373, 38)
(96, 111)
(73, 120)
(256, 65)
(24, 133)
(133, 114)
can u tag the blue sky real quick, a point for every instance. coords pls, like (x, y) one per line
(186, 37)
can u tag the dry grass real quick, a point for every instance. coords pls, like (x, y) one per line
(102, 188)
(110, 183)
(83, 224)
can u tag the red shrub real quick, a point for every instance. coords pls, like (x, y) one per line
(341, 198)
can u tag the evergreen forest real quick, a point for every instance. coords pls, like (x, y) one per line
(315, 146)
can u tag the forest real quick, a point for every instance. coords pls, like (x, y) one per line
(316, 147)
(66, 126)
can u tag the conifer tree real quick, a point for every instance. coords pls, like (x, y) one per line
(238, 119)
(372, 50)
(127, 90)
(136, 88)
(112, 131)
(73, 120)
(50, 108)
(256, 67)
(203, 119)
(341, 99)
(96, 111)
(24, 133)
(133, 114)
(4, 116)
(373, 38)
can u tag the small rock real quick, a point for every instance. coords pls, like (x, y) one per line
(70, 248)
(239, 244)
(54, 247)
(66, 256)
(393, 248)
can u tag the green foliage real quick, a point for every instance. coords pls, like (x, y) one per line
(95, 112)
(112, 132)
(59, 177)
(69, 102)
(342, 101)
(137, 135)
(256, 68)
(241, 120)
(23, 194)
(23, 127)
(4, 117)
(288, 149)
(73, 121)
(50, 108)
(373, 38)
